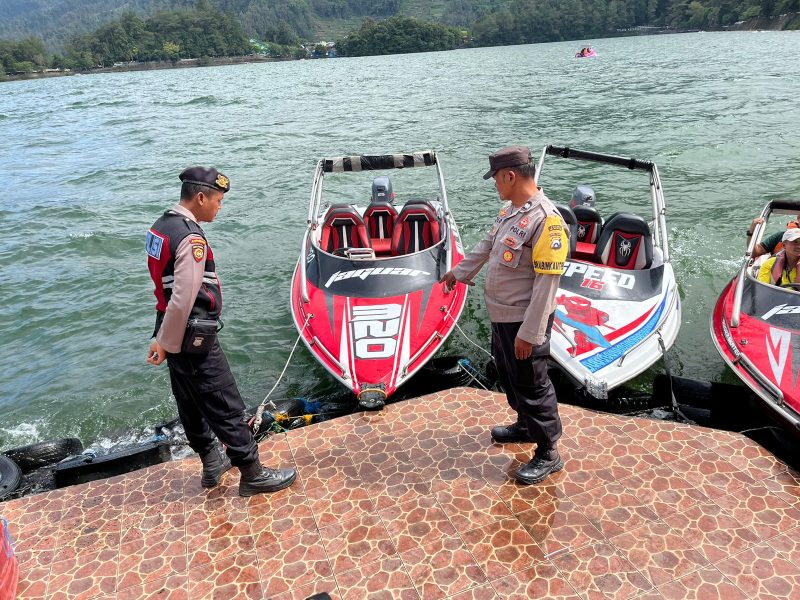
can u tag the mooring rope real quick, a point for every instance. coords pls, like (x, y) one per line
(675, 408)
(466, 337)
(255, 422)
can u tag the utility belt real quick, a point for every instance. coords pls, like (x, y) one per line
(200, 334)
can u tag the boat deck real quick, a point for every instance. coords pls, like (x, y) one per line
(415, 501)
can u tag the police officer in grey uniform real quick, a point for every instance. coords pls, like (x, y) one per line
(189, 302)
(526, 249)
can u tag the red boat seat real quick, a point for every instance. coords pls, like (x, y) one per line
(380, 218)
(572, 224)
(589, 223)
(343, 227)
(625, 242)
(417, 228)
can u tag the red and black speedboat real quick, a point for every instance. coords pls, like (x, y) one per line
(365, 293)
(756, 329)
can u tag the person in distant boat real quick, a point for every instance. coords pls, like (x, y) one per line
(189, 303)
(525, 249)
(782, 268)
(771, 243)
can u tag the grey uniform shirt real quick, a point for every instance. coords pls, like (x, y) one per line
(516, 290)
(188, 280)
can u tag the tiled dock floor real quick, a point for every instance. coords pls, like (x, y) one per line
(416, 501)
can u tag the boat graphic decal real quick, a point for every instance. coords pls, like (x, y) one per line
(607, 356)
(778, 344)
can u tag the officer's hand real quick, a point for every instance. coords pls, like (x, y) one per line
(449, 280)
(522, 349)
(157, 354)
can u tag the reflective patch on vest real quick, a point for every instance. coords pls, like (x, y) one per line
(153, 244)
(550, 250)
(199, 252)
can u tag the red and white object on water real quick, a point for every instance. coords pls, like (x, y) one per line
(9, 570)
(756, 329)
(365, 293)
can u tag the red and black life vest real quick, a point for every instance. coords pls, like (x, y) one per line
(162, 243)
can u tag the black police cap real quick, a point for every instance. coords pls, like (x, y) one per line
(208, 177)
(511, 156)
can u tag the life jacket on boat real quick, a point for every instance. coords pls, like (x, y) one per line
(163, 239)
(779, 272)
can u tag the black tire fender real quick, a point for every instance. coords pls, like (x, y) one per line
(10, 476)
(446, 370)
(35, 456)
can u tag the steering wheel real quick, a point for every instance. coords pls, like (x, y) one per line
(794, 286)
(341, 251)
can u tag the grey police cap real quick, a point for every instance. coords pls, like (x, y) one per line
(583, 196)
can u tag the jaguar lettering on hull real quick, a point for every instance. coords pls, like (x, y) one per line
(370, 271)
(374, 330)
(605, 276)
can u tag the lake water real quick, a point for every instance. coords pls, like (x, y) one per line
(89, 162)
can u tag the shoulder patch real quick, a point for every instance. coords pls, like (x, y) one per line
(153, 244)
(197, 240)
(198, 251)
(550, 250)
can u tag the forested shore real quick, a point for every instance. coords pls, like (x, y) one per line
(206, 35)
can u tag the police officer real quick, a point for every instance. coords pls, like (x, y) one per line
(189, 302)
(526, 249)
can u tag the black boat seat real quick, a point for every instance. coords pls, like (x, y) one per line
(417, 228)
(625, 242)
(589, 223)
(572, 224)
(380, 217)
(343, 227)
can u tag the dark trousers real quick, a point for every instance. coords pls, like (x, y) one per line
(527, 385)
(209, 404)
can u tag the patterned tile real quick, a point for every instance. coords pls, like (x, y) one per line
(559, 525)
(305, 591)
(471, 504)
(385, 496)
(292, 562)
(786, 486)
(149, 557)
(614, 509)
(379, 580)
(711, 474)
(520, 498)
(701, 585)
(757, 507)
(34, 573)
(211, 538)
(712, 531)
(788, 545)
(156, 485)
(541, 581)
(356, 542)
(442, 568)
(762, 572)
(664, 491)
(502, 548)
(232, 577)
(94, 530)
(598, 571)
(174, 587)
(581, 473)
(659, 553)
(666, 444)
(145, 519)
(416, 523)
(281, 515)
(481, 592)
(747, 456)
(93, 575)
(340, 500)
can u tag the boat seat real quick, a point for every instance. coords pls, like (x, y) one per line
(589, 223)
(343, 227)
(380, 217)
(572, 224)
(625, 242)
(416, 228)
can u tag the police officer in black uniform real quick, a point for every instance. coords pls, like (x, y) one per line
(189, 303)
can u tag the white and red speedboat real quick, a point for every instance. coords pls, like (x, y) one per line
(365, 293)
(756, 329)
(618, 305)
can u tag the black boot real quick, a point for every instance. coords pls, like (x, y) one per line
(215, 463)
(257, 479)
(510, 434)
(540, 466)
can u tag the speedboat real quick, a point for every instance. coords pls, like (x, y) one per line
(618, 309)
(590, 54)
(756, 329)
(365, 293)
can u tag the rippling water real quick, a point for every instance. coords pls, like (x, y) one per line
(89, 162)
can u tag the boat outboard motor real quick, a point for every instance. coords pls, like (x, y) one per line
(583, 196)
(382, 190)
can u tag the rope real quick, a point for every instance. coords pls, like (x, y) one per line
(466, 337)
(675, 408)
(255, 422)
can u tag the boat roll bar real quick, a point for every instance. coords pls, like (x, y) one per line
(631, 163)
(785, 207)
(374, 162)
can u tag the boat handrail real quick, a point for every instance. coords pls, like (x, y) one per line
(609, 159)
(302, 259)
(448, 251)
(755, 239)
(757, 374)
(315, 341)
(436, 335)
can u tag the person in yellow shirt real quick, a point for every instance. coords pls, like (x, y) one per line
(782, 269)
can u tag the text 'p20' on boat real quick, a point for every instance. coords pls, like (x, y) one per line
(365, 294)
(756, 329)
(618, 309)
